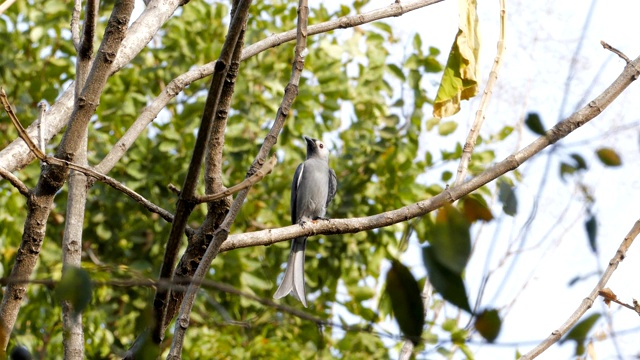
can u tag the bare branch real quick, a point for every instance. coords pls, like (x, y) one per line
(75, 24)
(484, 102)
(588, 301)
(5, 5)
(221, 234)
(354, 225)
(42, 106)
(246, 183)
(16, 123)
(22, 188)
(615, 51)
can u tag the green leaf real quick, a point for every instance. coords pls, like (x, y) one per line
(75, 287)
(395, 70)
(507, 197)
(450, 238)
(581, 164)
(406, 301)
(591, 225)
(447, 127)
(462, 73)
(609, 157)
(566, 169)
(580, 331)
(488, 324)
(534, 123)
(444, 281)
(475, 208)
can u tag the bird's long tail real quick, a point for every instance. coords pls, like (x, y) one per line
(293, 281)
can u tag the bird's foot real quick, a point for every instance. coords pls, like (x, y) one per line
(321, 218)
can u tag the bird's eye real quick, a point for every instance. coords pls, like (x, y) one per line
(321, 146)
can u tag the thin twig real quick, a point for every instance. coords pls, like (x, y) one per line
(463, 166)
(588, 301)
(21, 131)
(615, 51)
(246, 183)
(13, 180)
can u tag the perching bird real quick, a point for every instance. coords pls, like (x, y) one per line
(313, 187)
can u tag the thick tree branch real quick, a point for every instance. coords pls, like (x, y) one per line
(221, 234)
(185, 205)
(342, 226)
(470, 144)
(588, 301)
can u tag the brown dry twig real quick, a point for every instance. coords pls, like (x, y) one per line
(246, 183)
(615, 51)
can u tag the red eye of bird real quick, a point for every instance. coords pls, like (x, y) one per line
(321, 146)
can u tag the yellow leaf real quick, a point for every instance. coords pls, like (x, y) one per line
(460, 77)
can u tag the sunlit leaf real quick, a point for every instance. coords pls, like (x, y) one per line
(475, 208)
(461, 74)
(609, 157)
(450, 238)
(447, 127)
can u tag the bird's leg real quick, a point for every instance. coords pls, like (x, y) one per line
(321, 218)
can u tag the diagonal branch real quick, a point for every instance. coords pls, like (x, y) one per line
(221, 234)
(185, 205)
(13, 180)
(246, 183)
(588, 301)
(342, 226)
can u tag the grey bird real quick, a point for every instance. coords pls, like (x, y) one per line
(313, 187)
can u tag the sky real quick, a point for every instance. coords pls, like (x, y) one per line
(542, 37)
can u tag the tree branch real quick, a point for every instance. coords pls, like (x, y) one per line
(354, 225)
(221, 234)
(588, 301)
(185, 205)
(484, 102)
(13, 180)
(5, 5)
(246, 183)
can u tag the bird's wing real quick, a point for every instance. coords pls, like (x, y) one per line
(333, 186)
(294, 192)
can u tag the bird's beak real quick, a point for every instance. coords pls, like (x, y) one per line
(307, 139)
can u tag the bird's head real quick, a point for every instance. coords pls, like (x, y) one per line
(316, 149)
